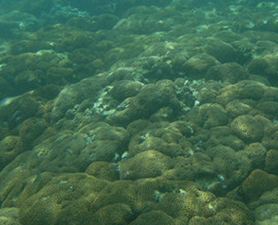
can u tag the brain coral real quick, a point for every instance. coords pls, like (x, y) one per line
(249, 128)
(149, 163)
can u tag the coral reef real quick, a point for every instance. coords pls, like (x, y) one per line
(138, 112)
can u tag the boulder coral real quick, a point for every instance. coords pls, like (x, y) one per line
(138, 112)
(150, 98)
(11, 146)
(146, 164)
(248, 128)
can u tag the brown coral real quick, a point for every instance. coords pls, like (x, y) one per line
(249, 128)
(256, 184)
(10, 147)
(228, 211)
(118, 214)
(146, 164)
(154, 218)
(271, 161)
